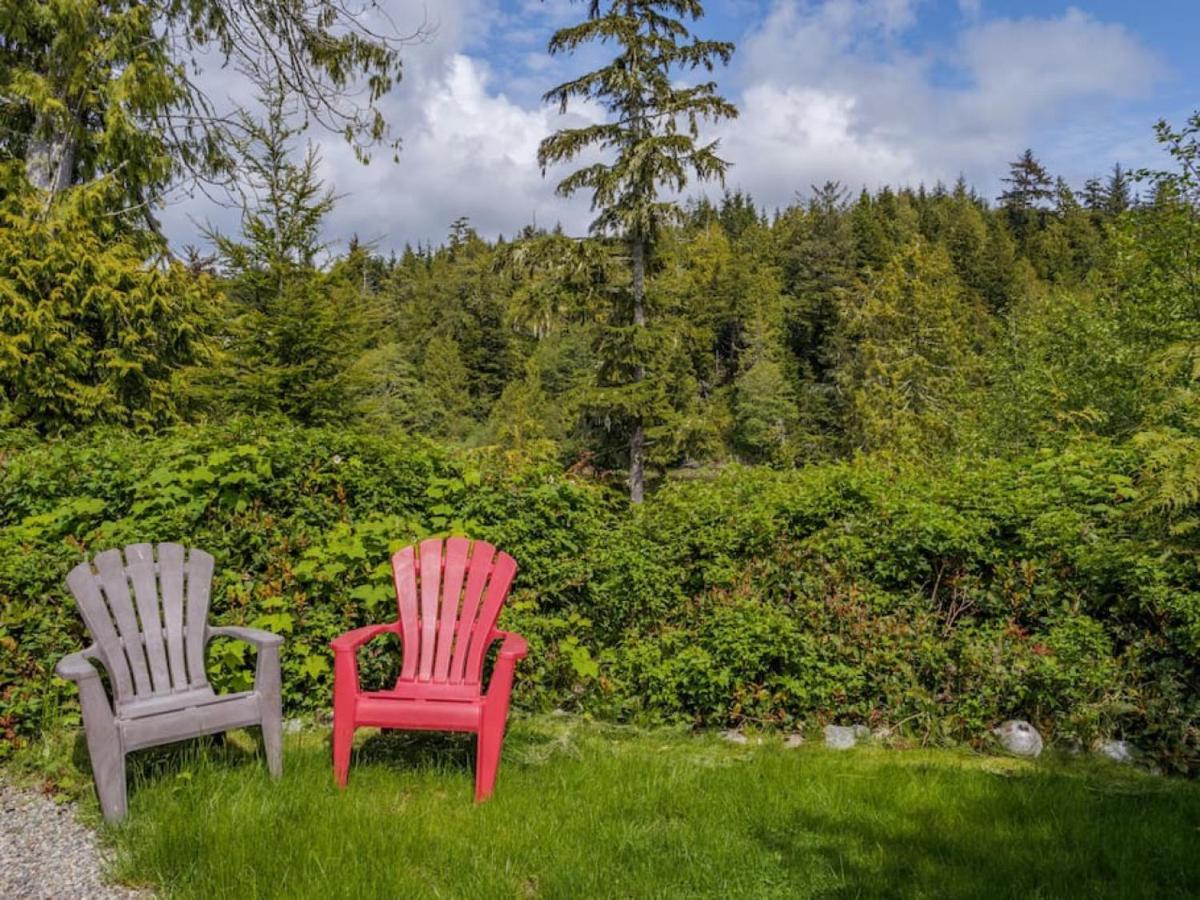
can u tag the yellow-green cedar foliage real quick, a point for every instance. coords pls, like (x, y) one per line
(94, 328)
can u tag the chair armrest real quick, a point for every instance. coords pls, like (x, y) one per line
(255, 636)
(514, 646)
(352, 640)
(500, 686)
(94, 701)
(77, 667)
(267, 678)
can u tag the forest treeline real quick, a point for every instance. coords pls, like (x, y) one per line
(911, 321)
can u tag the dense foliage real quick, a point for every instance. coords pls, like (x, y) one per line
(936, 604)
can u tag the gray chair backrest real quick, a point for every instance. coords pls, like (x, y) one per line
(147, 612)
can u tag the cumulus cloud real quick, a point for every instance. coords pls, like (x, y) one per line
(467, 152)
(831, 91)
(839, 89)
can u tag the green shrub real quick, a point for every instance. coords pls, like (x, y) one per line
(935, 605)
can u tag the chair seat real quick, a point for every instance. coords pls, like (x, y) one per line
(219, 713)
(432, 690)
(152, 706)
(383, 709)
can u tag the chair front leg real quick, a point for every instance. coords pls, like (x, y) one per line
(105, 747)
(493, 721)
(345, 692)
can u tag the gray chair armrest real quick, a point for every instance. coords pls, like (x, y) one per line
(267, 679)
(93, 699)
(254, 636)
(77, 667)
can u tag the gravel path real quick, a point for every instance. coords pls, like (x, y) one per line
(46, 853)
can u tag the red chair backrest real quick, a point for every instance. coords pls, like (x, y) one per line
(449, 596)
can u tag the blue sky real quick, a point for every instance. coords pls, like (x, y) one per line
(866, 92)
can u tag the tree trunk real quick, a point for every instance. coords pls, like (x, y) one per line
(637, 441)
(50, 158)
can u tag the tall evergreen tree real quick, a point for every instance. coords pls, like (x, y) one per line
(1118, 191)
(295, 334)
(1030, 189)
(653, 138)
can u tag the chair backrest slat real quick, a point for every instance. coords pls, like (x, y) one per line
(430, 574)
(110, 568)
(152, 640)
(139, 564)
(404, 575)
(170, 588)
(480, 567)
(503, 572)
(449, 603)
(199, 571)
(86, 590)
(457, 551)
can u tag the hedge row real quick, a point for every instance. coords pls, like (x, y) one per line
(936, 604)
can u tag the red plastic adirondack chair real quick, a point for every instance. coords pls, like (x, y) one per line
(449, 602)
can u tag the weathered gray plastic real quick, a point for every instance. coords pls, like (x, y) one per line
(151, 644)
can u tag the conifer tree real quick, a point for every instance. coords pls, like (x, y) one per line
(1118, 191)
(296, 334)
(652, 141)
(1030, 189)
(93, 89)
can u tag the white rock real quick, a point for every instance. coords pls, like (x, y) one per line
(734, 736)
(293, 726)
(840, 737)
(1019, 738)
(1117, 751)
(793, 740)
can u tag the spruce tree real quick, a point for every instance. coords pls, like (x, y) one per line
(295, 333)
(1118, 192)
(1030, 189)
(650, 144)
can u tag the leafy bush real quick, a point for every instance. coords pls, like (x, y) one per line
(934, 605)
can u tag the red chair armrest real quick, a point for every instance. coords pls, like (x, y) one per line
(352, 640)
(514, 646)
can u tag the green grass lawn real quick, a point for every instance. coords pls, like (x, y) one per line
(591, 811)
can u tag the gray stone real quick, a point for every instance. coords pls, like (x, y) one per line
(734, 736)
(793, 740)
(1019, 738)
(840, 737)
(293, 726)
(861, 732)
(1117, 751)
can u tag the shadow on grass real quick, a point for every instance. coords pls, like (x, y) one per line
(971, 843)
(145, 768)
(422, 750)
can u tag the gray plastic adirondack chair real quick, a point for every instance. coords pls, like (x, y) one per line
(151, 644)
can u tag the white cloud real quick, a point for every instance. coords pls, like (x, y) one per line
(789, 138)
(1028, 68)
(840, 89)
(832, 91)
(971, 9)
(467, 151)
